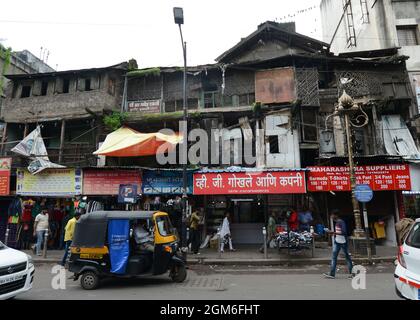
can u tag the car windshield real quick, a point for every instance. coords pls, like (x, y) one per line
(413, 238)
(164, 225)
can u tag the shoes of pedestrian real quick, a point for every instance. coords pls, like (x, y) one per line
(232, 249)
(327, 275)
(38, 254)
(350, 276)
(222, 251)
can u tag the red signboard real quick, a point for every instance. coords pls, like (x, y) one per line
(250, 183)
(107, 182)
(378, 177)
(5, 166)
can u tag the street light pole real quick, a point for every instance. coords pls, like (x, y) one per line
(179, 20)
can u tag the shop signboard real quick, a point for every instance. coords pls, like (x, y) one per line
(127, 193)
(107, 182)
(165, 182)
(50, 182)
(387, 177)
(262, 182)
(144, 106)
(363, 193)
(5, 166)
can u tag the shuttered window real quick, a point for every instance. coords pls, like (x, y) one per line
(407, 36)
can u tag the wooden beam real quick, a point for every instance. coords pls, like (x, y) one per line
(63, 129)
(25, 130)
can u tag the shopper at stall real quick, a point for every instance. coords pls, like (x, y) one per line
(305, 218)
(194, 237)
(68, 237)
(340, 241)
(292, 221)
(271, 229)
(225, 234)
(41, 226)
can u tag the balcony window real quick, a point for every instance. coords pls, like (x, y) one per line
(26, 92)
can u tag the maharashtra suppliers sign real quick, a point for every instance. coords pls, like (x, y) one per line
(144, 106)
(50, 182)
(378, 177)
(263, 182)
(107, 182)
(5, 165)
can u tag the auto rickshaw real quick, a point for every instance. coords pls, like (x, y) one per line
(103, 246)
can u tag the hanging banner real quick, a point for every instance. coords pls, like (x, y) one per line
(5, 166)
(377, 177)
(281, 182)
(119, 248)
(107, 182)
(49, 182)
(127, 193)
(165, 182)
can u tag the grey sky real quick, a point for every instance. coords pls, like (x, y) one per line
(95, 33)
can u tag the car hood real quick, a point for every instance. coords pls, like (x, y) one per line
(10, 256)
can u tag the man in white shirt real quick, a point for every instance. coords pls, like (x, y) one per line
(41, 226)
(144, 238)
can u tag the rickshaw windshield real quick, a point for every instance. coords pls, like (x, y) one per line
(164, 225)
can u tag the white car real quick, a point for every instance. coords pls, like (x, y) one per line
(16, 272)
(407, 272)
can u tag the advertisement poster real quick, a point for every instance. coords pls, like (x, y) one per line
(107, 182)
(291, 182)
(50, 182)
(5, 166)
(119, 248)
(377, 177)
(127, 193)
(165, 182)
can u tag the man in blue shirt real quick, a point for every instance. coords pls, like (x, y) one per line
(339, 242)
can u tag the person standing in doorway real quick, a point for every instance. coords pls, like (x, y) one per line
(194, 238)
(340, 241)
(271, 230)
(41, 226)
(225, 233)
(68, 235)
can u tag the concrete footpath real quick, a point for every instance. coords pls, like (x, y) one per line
(250, 255)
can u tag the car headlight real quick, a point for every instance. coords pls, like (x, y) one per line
(30, 262)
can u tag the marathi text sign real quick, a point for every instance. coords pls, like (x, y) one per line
(378, 177)
(250, 183)
(5, 165)
(146, 106)
(50, 182)
(165, 182)
(107, 182)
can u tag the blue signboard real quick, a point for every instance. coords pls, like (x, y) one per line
(363, 193)
(119, 249)
(165, 182)
(127, 193)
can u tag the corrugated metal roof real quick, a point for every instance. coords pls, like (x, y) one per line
(242, 169)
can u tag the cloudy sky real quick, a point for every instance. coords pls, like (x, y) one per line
(95, 33)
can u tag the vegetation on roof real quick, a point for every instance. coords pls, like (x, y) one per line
(144, 72)
(115, 120)
(155, 117)
(5, 55)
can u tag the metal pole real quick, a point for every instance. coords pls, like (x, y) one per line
(44, 252)
(264, 231)
(219, 243)
(358, 232)
(6, 236)
(184, 157)
(365, 216)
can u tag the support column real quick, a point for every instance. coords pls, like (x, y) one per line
(3, 140)
(63, 130)
(25, 130)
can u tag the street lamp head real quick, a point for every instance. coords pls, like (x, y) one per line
(345, 102)
(178, 15)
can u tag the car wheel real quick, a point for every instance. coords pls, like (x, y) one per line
(89, 280)
(179, 273)
(399, 293)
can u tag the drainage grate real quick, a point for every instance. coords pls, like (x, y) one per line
(211, 283)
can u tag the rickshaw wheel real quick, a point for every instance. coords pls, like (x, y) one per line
(89, 280)
(179, 273)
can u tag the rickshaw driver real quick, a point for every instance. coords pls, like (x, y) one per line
(143, 238)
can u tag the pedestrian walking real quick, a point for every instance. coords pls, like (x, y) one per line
(194, 238)
(41, 226)
(68, 235)
(271, 229)
(340, 241)
(225, 234)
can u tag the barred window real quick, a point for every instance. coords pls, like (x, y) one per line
(407, 35)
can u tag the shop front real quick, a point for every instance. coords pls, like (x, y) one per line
(331, 184)
(248, 195)
(411, 199)
(102, 188)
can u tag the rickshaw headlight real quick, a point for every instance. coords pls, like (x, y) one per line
(167, 249)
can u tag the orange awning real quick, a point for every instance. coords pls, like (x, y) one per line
(126, 142)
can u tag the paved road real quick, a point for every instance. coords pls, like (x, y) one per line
(213, 282)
